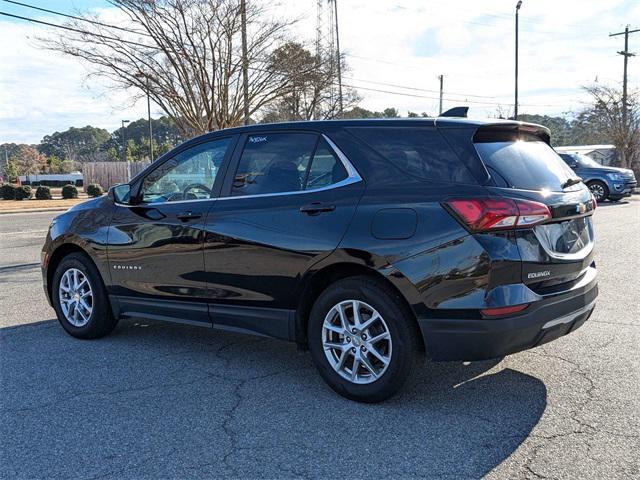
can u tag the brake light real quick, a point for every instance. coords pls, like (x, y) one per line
(494, 312)
(486, 214)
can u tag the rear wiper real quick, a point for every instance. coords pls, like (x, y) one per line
(571, 181)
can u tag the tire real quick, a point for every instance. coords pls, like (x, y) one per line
(91, 319)
(371, 296)
(599, 190)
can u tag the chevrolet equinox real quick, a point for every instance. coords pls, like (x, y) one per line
(366, 242)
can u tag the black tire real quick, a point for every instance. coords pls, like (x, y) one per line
(101, 320)
(599, 190)
(401, 326)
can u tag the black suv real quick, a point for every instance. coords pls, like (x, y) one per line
(365, 241)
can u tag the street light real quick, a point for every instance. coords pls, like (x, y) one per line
(515, 104)
(146, 77)
(124, 141)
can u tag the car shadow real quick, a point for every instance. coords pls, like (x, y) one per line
(159, 400)
(612, 203)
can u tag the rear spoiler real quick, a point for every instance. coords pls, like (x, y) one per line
(510, 131)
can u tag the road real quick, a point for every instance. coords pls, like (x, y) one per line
(158, 400)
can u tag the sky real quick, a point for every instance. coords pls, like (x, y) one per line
(395, 51)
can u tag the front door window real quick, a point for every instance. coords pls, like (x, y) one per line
(190, 175)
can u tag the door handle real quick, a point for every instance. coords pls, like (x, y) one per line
(186, 216)
(316, 208)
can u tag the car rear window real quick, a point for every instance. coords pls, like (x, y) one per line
(419, 152)
(525, 163)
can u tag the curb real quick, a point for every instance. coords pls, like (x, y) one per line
(35, 210)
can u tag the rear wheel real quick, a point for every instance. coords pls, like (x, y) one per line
(79, 298)
(362, 339)
(599, 190)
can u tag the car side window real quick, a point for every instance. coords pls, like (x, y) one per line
(273, 163)
(325, 168)
(419, 151)
(187, 176)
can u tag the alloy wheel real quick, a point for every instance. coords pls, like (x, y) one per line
(356, 341)
(598, 191)
(76, 297)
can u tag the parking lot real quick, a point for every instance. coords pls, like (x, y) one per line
(160, 400)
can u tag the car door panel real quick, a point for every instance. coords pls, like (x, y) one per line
(258, 247)
(156, 247)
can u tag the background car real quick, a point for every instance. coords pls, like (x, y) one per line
(604, 182)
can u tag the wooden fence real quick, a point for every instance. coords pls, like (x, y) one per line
(108, 174)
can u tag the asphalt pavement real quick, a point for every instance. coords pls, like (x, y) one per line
(156, 400)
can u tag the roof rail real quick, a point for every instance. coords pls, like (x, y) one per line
(460, 112)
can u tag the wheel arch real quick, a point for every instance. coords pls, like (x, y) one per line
(58, 254)
(604, 183)
(322, 277)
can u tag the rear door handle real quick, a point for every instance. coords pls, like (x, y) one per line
(186, 216)
(316, 208)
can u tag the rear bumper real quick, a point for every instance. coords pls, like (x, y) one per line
(544, 321)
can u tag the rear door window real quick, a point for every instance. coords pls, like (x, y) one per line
(419, 152)
(525, 163)
(274, 163)
(286, 162)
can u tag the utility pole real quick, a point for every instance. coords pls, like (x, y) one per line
(245, 61)
(441, 78)
(515, 103)
(146, 77)
(150, 127)
(335, 7)
(124, 141)
(626, 53)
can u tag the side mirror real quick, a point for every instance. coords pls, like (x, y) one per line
(121, 193)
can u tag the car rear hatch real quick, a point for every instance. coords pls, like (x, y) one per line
(556, 247)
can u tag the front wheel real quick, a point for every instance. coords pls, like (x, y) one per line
(363, 339)
(79, 298)
(599, 190)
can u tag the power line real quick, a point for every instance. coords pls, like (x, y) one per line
(76, 30)
(449, 99)
(82, 19)
(148, 46)
(417, 89)
(390, 92)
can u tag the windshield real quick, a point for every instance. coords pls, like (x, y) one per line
(585, 162)
(527, 163)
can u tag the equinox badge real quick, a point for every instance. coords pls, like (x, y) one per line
(545, 273)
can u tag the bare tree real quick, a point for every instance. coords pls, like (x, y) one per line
(604, 116)
(187, 54)
(311, 90)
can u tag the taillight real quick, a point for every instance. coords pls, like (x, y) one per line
(486, 214)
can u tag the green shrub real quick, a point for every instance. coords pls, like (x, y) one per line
(69, 191)
(8, 191)
(95, 190)
(43, 193)
(22, 192)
